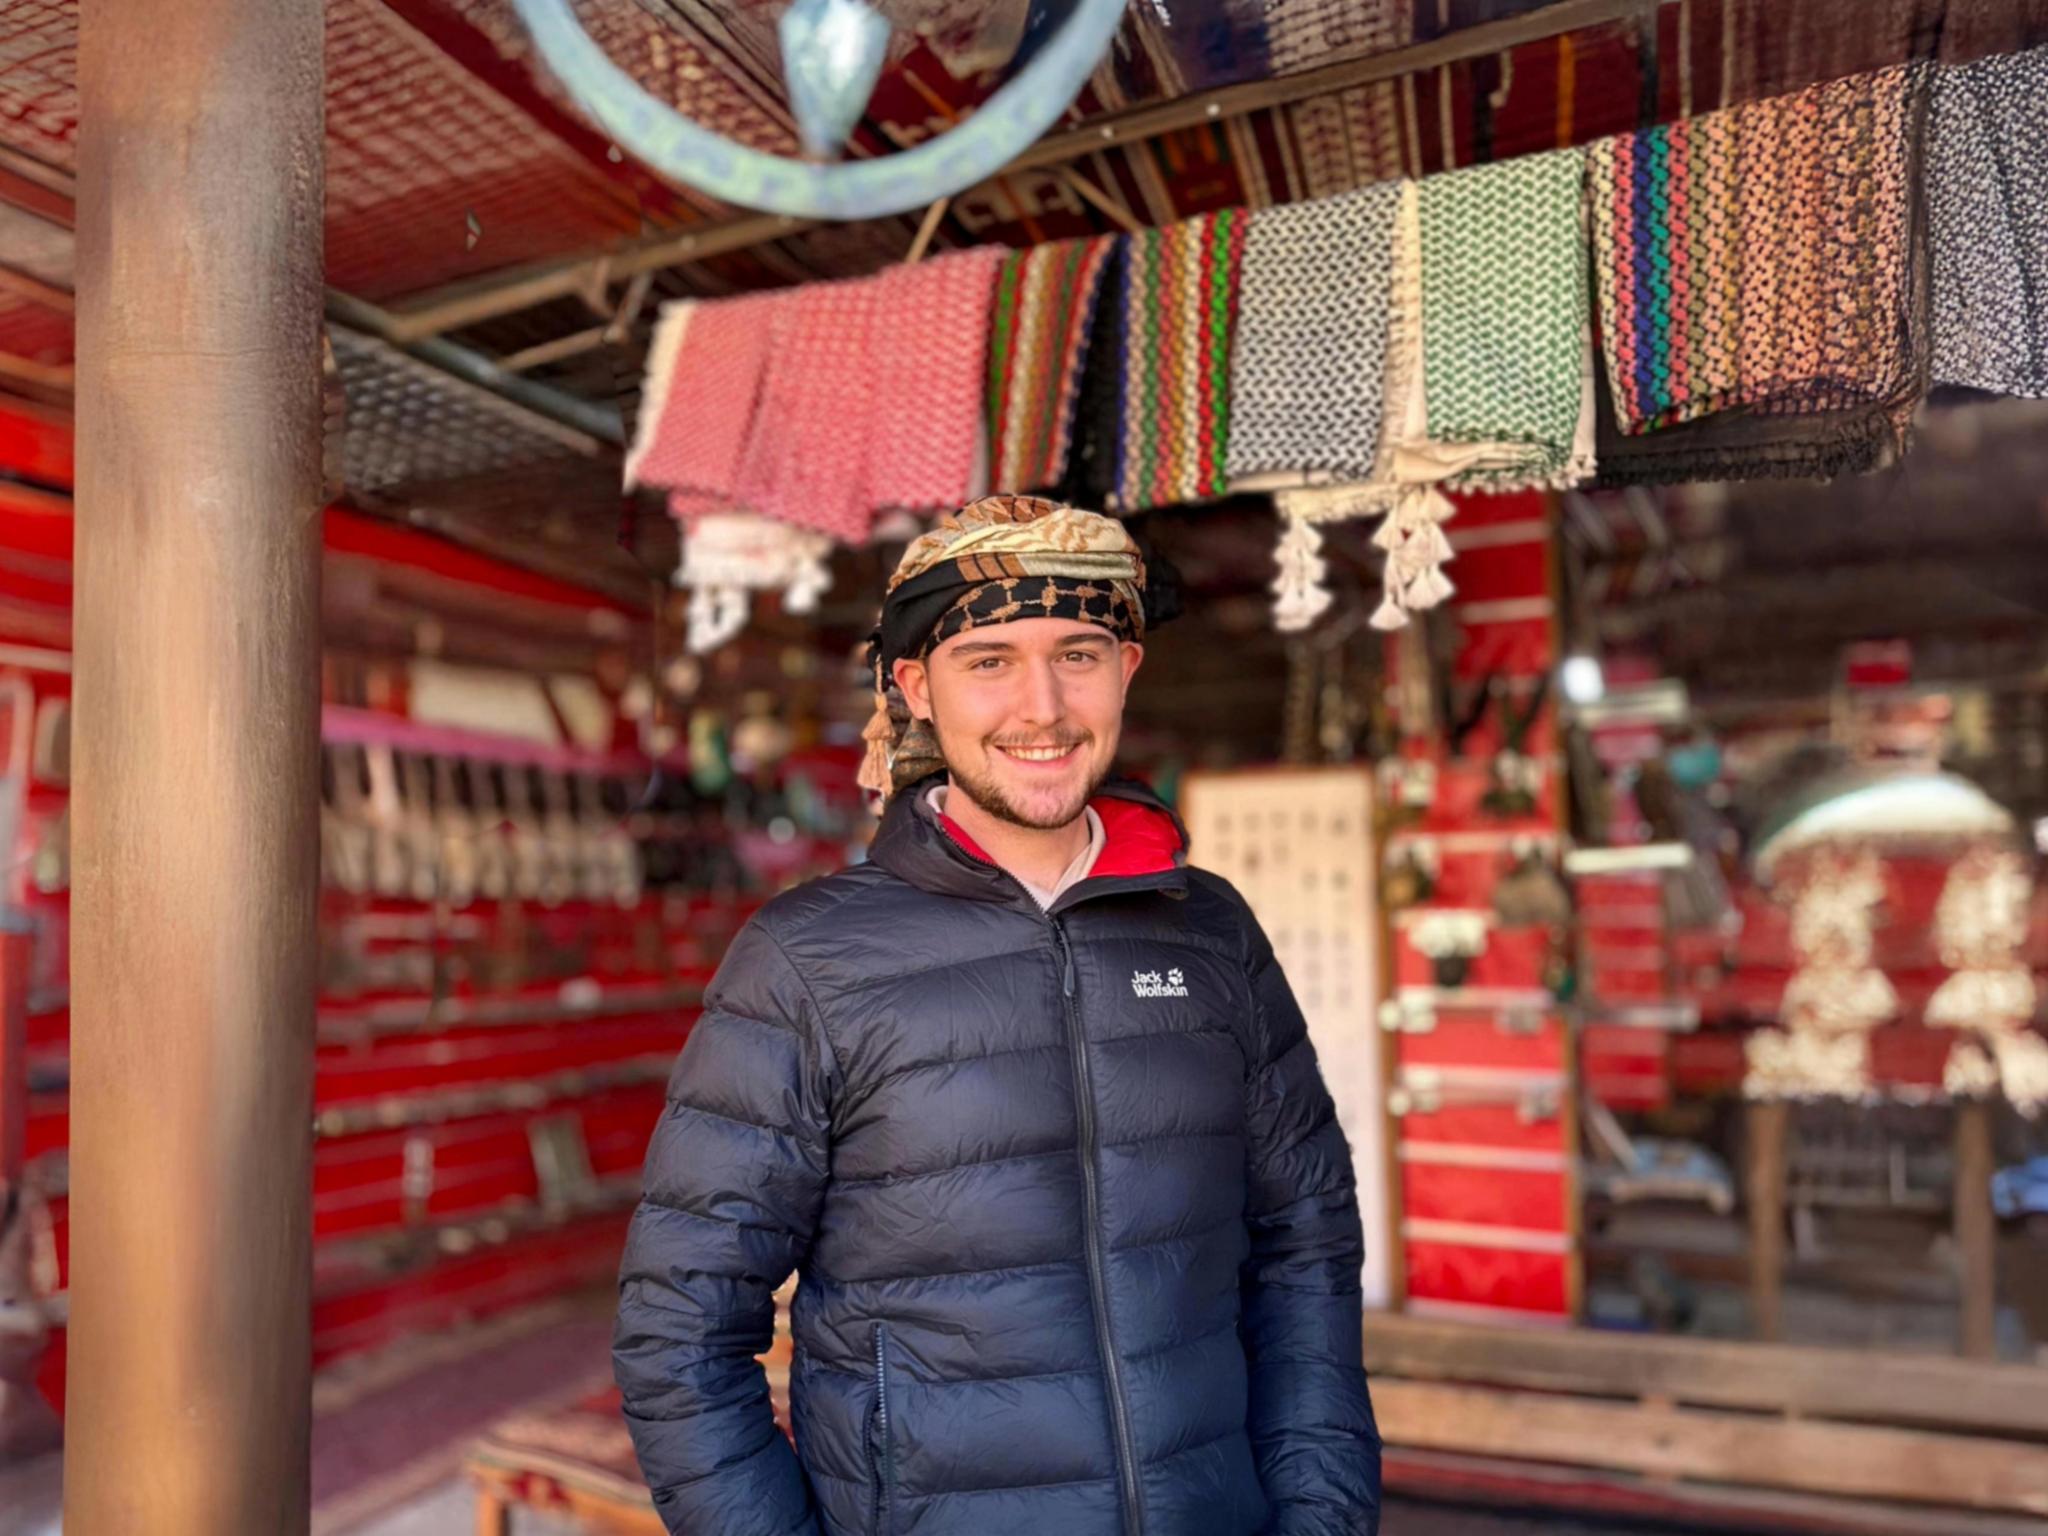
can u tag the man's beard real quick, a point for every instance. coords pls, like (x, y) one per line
(985, 792)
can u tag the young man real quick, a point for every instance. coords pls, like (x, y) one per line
(1026, 1104)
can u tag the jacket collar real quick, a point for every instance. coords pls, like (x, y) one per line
(1144, 849)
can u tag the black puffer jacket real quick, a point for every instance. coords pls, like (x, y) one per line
(1076, 1234)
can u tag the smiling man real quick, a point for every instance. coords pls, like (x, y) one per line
(1026, 1105)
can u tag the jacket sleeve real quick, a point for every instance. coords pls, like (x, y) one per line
(1311, 1421)
(734, 1178)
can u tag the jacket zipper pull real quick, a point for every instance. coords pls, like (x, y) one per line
(1066, 961)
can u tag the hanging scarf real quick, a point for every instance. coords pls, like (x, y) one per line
(1490, 378)
(1178, 304)
(822, 405)
(1044, 311)
(1505, 320)
(1309, 363)
(704, 372)
(927, 376)
(1761, 260)
(1090, 478)
(1987, 195)
(806, 457)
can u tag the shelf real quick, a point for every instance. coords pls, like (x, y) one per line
(1477, 999)
(338, 1026)
(1634, 859)
(1664, 1018)
(398, 1113)
(1480, 841)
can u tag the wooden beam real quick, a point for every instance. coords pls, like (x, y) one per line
(455, 306)
(28, 286)
(1765, 1121)
(58, 377)
(1976, 1229)
(1890, 1388)
(1855, 1460)
(43, 190)
(1629, 1499)
(575, 344)
(927, 229)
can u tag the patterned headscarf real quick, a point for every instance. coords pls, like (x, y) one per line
(999, 559)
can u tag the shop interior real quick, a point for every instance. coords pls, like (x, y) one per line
(1666, 899)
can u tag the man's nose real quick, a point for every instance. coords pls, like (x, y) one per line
(1041, 703)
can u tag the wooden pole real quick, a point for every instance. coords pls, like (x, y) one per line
(1976, 1229)
(195, 793)
(1766, 1124)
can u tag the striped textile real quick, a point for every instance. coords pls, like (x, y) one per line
(1177, 307)
(1761, 257)
(1044, 308)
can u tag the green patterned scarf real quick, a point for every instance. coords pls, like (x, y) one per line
(1505, 319)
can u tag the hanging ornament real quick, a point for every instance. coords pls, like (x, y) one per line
(1300, 597)
(1980, 926)
(1412, 535)
(1836, 996)
(832, 53)
(824, 89)
(727, 556)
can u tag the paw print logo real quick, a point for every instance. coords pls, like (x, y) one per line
(1173, 978)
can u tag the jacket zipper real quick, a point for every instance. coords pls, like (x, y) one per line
(883, 1451)
(1119, 1412)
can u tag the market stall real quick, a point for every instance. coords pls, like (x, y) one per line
(1424, 356)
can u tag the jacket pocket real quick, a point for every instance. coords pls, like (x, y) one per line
(881, 1448)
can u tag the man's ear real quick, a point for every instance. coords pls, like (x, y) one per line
(1132, 655)
(915, 681)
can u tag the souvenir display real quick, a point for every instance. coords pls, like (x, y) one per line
(1837, 996)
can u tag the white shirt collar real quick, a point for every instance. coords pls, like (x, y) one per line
(1076, 872)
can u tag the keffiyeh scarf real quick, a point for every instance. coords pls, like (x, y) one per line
(1489, 373)
(1000, 559)
(1505, 321)
(1761, 259)
(1044, 312)
(1177, 304)
(1308, 367)
(1987, 196)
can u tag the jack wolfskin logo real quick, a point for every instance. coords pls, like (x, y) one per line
(1152, 984)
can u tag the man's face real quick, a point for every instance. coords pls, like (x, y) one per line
(1027, 714)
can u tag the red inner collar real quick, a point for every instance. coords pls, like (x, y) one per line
(1136, 839)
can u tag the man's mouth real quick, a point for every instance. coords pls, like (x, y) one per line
(1054, 753)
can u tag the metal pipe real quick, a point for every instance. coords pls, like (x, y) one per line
(592, 421)
(195, 791)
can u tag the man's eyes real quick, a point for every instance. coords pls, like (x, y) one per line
(990, 663)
